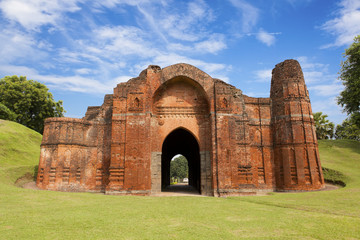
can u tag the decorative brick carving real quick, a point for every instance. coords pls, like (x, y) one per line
(235, 144)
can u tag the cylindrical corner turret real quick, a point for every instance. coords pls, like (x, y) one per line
(287, 71)
(296, 155)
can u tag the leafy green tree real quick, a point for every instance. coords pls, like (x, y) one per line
(348, 129)
(179, 167)
(349, 98)
(29, 100)
(324, 128)
(6, 113)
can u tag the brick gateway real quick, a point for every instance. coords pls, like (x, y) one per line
(234, 144)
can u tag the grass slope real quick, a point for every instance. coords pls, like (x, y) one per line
(19, 152)
(344, 203)
(19, 145)
(30, 214)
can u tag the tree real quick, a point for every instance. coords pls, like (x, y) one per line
(349, 98)
(179, 167)
(6, 113)
(324, 128)
(348, 129)
(29, 100)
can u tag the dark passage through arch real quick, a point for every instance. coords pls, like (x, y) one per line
(181, 141)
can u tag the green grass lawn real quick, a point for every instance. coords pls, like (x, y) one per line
(31, 214)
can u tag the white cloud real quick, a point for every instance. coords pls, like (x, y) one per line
(307, 63)
(119, 79)
(32, 14)
(109, 47)
(10, 70)
(314, 72)
(293, 3)
(185, 24)
(346, 25)
(312, 77)
(73, 83)
(327, 90)
(214, 44)
(123, 40)
(19, 46)
(169, 59)
(84, 71)
(107, 53)
(316, 75)
(151, 21)
(265, 37)
(78, 56)
(198, 9)
(178, 47)
(179, 28)
(323, 88)
(263, 75)
(221, 77)
(114, 3)
(328, 105)
(250, 14)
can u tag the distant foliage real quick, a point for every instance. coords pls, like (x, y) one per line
(179, 168)
(349, 98)
(349, 128)
(27, 102)
(324, 128)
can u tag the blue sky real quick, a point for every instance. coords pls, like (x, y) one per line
(82, 48)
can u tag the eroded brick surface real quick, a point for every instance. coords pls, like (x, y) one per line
(245, 144)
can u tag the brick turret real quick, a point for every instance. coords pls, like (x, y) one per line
(296, 157)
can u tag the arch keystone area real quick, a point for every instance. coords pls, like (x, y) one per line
(235, 144)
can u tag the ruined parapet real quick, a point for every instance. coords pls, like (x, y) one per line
(296, 157)
(69, 155)
(100, 113)
(92, 112)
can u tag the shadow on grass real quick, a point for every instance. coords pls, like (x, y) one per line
(27, 177)
(334, 177)
(36, 168)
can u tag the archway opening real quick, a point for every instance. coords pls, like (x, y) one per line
(182, 142)
(179, 170)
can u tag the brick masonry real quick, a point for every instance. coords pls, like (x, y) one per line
(235, 144)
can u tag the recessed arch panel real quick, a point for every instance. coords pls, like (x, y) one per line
(180, 95)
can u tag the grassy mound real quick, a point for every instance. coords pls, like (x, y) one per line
(20, 146)
(19, 153)
(31, 214)
(344, 157)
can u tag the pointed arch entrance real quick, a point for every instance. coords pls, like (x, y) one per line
(181, 124)
(181, 141)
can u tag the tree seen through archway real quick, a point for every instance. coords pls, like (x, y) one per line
(179, 168)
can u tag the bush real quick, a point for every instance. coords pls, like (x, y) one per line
(334, 177)
(6, 113)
